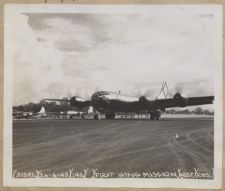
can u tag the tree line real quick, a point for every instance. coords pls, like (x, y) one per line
(49, 107)
(197, 110)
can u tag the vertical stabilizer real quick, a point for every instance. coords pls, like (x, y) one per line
(42, 111)
(163, 90)
(90, 110)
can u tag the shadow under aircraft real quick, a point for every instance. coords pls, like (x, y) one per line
(111, 102)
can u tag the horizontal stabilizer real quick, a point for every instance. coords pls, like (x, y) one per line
(42, 111)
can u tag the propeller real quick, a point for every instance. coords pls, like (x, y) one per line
(74, 101)
(181, 99)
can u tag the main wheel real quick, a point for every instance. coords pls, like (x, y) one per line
(107, 115)
(152, 115)
(110, 115)
(157, 116)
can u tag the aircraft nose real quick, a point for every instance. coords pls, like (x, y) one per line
(98, 99)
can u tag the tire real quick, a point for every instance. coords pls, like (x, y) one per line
(152, 115)
(110, 115)
(96, 116)
(158, 115)
(107, 115)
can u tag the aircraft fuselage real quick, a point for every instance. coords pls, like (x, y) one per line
(105, 101)
(111, 102)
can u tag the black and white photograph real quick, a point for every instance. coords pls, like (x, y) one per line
(113, 96)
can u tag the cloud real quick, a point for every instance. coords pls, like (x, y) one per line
(77, 54)
(33, 64)
(76, 32)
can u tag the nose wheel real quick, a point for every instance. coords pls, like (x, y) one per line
(110, 115)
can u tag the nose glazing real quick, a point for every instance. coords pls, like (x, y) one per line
(98, 99)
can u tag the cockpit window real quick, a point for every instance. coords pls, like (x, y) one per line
(102, 93)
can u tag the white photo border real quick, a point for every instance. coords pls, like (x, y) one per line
(215, 9)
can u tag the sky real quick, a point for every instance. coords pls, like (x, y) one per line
(68, 54)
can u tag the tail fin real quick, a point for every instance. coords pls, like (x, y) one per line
(164, 90)
(42, 111)
(90, 110)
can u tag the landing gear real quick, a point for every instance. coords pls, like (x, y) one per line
(96, 117)
(110, 115)
(152, 116)
(155, 115)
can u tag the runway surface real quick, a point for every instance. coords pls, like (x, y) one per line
(114, 145)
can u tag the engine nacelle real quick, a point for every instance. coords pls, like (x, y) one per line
(79, 102)
(144, 101)
(180, 99)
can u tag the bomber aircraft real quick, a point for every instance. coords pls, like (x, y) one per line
(111, 102)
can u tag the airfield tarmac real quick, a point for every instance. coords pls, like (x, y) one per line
(114, 145)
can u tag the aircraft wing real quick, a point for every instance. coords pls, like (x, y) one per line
(74, 101)
(180, 101)
(64, 100)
